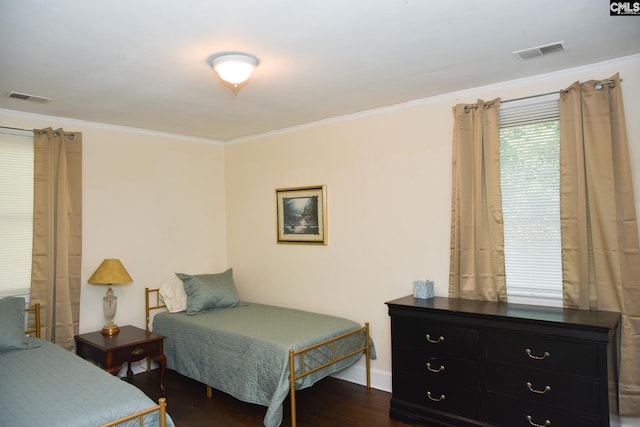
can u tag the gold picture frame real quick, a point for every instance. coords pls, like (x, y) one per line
(301, 214)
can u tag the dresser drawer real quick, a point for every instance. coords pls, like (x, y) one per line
(540, 352)
(440, 395)
(437, 367)
(435, 337)
(503, 411)
(564, 391)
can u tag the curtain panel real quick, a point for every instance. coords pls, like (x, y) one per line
(57, 233)
(477, 238)
(600, 249)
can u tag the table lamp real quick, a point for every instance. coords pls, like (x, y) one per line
(110, 272)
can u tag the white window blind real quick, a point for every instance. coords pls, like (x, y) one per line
(16, 212)
(530, 181)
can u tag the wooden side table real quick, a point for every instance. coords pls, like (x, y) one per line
(130, 345)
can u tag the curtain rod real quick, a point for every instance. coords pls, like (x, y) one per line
(12, 128)
(535, 96)
(598, 86)
(70, 135)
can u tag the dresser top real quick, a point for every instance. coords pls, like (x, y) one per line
(514, 312)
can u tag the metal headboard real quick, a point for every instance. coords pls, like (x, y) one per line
(35, 310)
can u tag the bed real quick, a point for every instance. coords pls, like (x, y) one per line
(257, 353)
(42, 384)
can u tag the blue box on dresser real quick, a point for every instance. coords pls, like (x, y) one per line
(423, 289)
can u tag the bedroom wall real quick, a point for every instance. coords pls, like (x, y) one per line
(156, 201)
(388, 175)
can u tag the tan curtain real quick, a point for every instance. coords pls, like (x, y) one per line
(477, 238)
(600, 250)
(57, 233)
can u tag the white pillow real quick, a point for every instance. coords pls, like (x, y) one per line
(173, 294)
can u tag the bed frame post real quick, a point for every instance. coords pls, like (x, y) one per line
(146, 325)
(37, 325)
(35, 309)
(162, 402)
(292, 387)
(146, 307)
(367, 354)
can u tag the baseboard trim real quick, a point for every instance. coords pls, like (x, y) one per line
(618, 421)
(380, 380)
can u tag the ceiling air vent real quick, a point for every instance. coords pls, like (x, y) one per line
(534, 52)
(32, 98)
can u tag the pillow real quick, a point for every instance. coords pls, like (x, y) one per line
(173, 295)
(12, 336)
(209, 291)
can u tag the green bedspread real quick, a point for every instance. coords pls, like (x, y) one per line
(244, 351)
(49, 386)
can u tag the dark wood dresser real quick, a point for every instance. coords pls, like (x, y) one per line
(477, 363)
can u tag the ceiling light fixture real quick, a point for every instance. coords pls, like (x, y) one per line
(234, 69)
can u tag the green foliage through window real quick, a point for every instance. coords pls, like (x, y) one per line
(530, 182)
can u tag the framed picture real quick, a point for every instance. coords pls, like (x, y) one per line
(302, 215)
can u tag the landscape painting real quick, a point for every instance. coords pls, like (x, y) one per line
(301, 215)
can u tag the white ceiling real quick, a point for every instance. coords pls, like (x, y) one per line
(143, 63)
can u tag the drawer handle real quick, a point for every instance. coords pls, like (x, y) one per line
(440, 369)
(533, 356)
(546, 423)
(137, 351)
(435, 399)
(431, 340)
(533, 390)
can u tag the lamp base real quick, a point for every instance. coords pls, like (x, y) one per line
(109, 305)
(110, 330)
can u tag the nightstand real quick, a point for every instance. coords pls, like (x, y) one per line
(130, 345)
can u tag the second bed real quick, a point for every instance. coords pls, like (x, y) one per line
(260, 353)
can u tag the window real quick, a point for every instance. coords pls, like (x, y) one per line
(530, 181)
(16, 212)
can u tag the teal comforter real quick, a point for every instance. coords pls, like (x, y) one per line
(244, 351)
(49, 386)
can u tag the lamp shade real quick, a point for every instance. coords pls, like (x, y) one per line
(234, 68)
(110, 272)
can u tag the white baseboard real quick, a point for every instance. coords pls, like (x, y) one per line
(137, 367)
(357, 374)
(617, 421)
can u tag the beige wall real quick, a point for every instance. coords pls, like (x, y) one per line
(155, 201)
(387, 174)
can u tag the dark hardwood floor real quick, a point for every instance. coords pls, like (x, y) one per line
(330, 402)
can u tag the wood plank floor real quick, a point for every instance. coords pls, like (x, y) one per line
(330, 402)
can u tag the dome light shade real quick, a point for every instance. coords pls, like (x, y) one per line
(234, 68)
